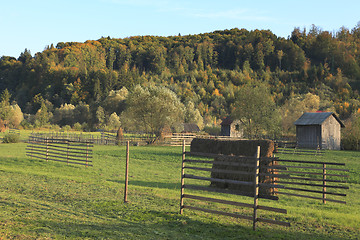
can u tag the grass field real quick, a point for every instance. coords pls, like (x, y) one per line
(49, 200)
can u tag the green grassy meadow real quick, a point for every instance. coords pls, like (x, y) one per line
(50, 200)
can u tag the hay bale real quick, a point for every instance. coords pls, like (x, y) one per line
(247, 150)
(233, 147)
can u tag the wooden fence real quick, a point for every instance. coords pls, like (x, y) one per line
(292, 148)
(314, 177)
(60, 150)
(177, 139)
(201, 167)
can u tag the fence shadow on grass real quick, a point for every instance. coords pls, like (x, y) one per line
(170, 186)
(155, 184)
(161, 225)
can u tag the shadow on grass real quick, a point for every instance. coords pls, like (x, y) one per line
(160, 225)
(171, 186)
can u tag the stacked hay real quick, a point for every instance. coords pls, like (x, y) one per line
(245, 150)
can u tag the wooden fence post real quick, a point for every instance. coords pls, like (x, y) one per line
(256, 186)
(87, 153)
(47, 149)
(182, 178)
(324, 183)
(127, 171)
(67, 151)
(32, 144)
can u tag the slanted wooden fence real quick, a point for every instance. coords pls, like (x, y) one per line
(292, 148)
(202, 168)
(312, 177)
(177, 139)
(60, 150)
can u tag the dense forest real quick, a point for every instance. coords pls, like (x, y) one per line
(87, 83)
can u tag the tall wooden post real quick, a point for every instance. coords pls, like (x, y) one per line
(256, 186)
(127, 171)
(324, 183)
(47, 148)
(87, 153)
(182, 178)
(67, 151)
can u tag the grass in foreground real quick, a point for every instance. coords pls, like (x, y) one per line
(49, 200)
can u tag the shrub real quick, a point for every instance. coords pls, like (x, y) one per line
(11, 138)
(350, 137)
(66, 128)
(212, 130)
(77, 126)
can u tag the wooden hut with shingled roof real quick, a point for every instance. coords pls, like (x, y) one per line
(319, 129)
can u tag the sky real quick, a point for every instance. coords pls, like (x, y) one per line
(35, 24)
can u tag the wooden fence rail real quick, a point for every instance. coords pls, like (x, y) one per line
(200, 177)
(307, 175)
(60, 150)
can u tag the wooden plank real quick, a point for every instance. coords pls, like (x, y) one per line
(219, 170)
(55, 150)
(313, 185)
(70, 154)
(75, 154)
(311, 167)
(57, 160)
(207, 199)
(314, 173)
(233, 203)
(286, 224)
(127, 171)
(212, 155)
(256, 186)
(312, 197)
(198, 161)
(218, 180)
(227, 191)
(314, 191)
(272, 209)
(235, 215)
(65, 147)
(313, 179)
(235, 164)
(60, 157)
(182, 177)
(313, 162)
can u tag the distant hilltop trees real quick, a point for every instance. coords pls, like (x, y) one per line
(85, 83)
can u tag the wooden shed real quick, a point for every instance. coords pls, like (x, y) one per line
(319, 129)
(190, 128)
(231, 128)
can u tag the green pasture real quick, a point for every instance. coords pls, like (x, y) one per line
(51, 200)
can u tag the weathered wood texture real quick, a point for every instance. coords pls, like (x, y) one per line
(240, 163)
(201, 173)
(317, 178)
(60, 150)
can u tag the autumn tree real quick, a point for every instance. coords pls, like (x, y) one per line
(256, 110)
(150, 109)
(5, 109)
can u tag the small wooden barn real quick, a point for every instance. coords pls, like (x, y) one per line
(319, 129)
(190, 128)
(231, 128)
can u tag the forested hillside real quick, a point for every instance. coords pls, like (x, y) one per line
(311, 70)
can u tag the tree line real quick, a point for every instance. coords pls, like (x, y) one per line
(87, 83)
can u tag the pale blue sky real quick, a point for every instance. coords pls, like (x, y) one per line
(33, 24)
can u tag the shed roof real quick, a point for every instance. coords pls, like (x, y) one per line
(191, 127)
(227, 121)
(316, 118)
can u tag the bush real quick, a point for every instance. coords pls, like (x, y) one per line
(350, 136)
(66, 128)
(77, 126)
(11, 138)
(212, 130)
